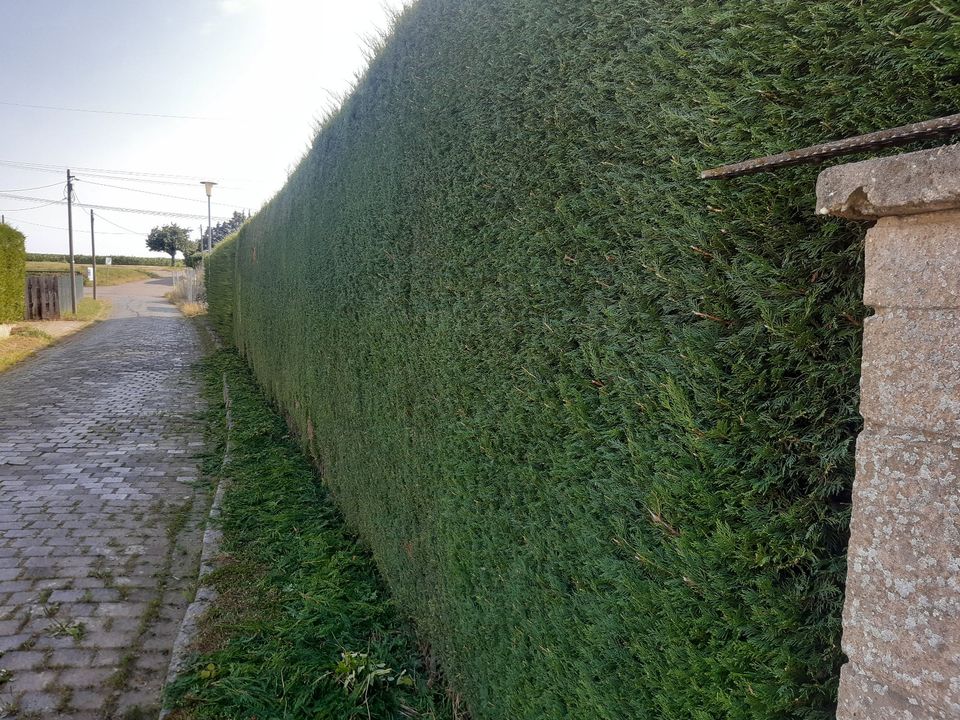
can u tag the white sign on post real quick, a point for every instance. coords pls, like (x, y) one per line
(108, 261)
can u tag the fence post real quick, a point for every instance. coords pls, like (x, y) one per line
(901, 618)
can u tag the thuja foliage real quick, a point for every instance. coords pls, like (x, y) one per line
(595, 417)
(220, 284)
(13, 275)
(303, 626)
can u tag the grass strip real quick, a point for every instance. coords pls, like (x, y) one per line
(303, 626)
(26, 339)
(88, 310)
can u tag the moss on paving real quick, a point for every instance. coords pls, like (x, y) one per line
(595, 417)
(296, 590)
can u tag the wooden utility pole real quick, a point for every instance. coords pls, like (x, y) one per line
(73, 278)
(93, 256)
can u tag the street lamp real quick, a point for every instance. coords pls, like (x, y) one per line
(208, 184)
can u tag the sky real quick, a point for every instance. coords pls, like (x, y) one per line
(248, 79)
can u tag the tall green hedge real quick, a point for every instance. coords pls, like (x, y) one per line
(594, 416)
(13, 275)
(219, 282)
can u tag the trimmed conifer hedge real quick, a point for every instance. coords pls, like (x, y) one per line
(13, 275)
(219, 282)
(595, 417)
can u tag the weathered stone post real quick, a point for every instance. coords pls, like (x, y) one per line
(901, 618)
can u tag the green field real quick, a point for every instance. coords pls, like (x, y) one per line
(106, 274)
(115, 259)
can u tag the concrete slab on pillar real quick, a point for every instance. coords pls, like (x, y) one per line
(917, 182)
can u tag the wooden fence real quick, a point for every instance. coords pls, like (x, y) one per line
(48, 294)
(43, 297)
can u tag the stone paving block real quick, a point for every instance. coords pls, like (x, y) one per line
(121, 609)
(107, 658)
(139, 699)
(13, 642)
(32, 681)
(22, 660)
(91, 471)
(84, 677)
(87, 700)
(153, 662)
(44, 641)
(71, 657)
(39, 702)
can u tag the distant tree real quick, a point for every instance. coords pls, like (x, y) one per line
(222, 229)
(171, 239)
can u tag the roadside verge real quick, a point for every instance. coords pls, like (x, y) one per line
(298, 622)
(20, 340)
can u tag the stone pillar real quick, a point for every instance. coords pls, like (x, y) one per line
(901, 616)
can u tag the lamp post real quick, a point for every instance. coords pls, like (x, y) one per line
(208, 184)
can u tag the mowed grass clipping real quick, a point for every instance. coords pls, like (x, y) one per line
(595, 417)
(303, 626)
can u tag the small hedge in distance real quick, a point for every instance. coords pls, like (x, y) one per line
(595, 417)
(101, 260)
(13, 275)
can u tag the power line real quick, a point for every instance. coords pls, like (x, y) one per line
(141, 211)
(148, 192)
(132, 232)
(55, 227)
(137, 211)
(14, 196)
(45, 201)
(108, 112)
(57, 170)
(125, 178)
(46, 167)
(34, 207)
(39, 187)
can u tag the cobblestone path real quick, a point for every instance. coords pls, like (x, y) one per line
(101, 512)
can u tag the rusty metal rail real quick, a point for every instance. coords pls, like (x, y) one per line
(902, 135)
